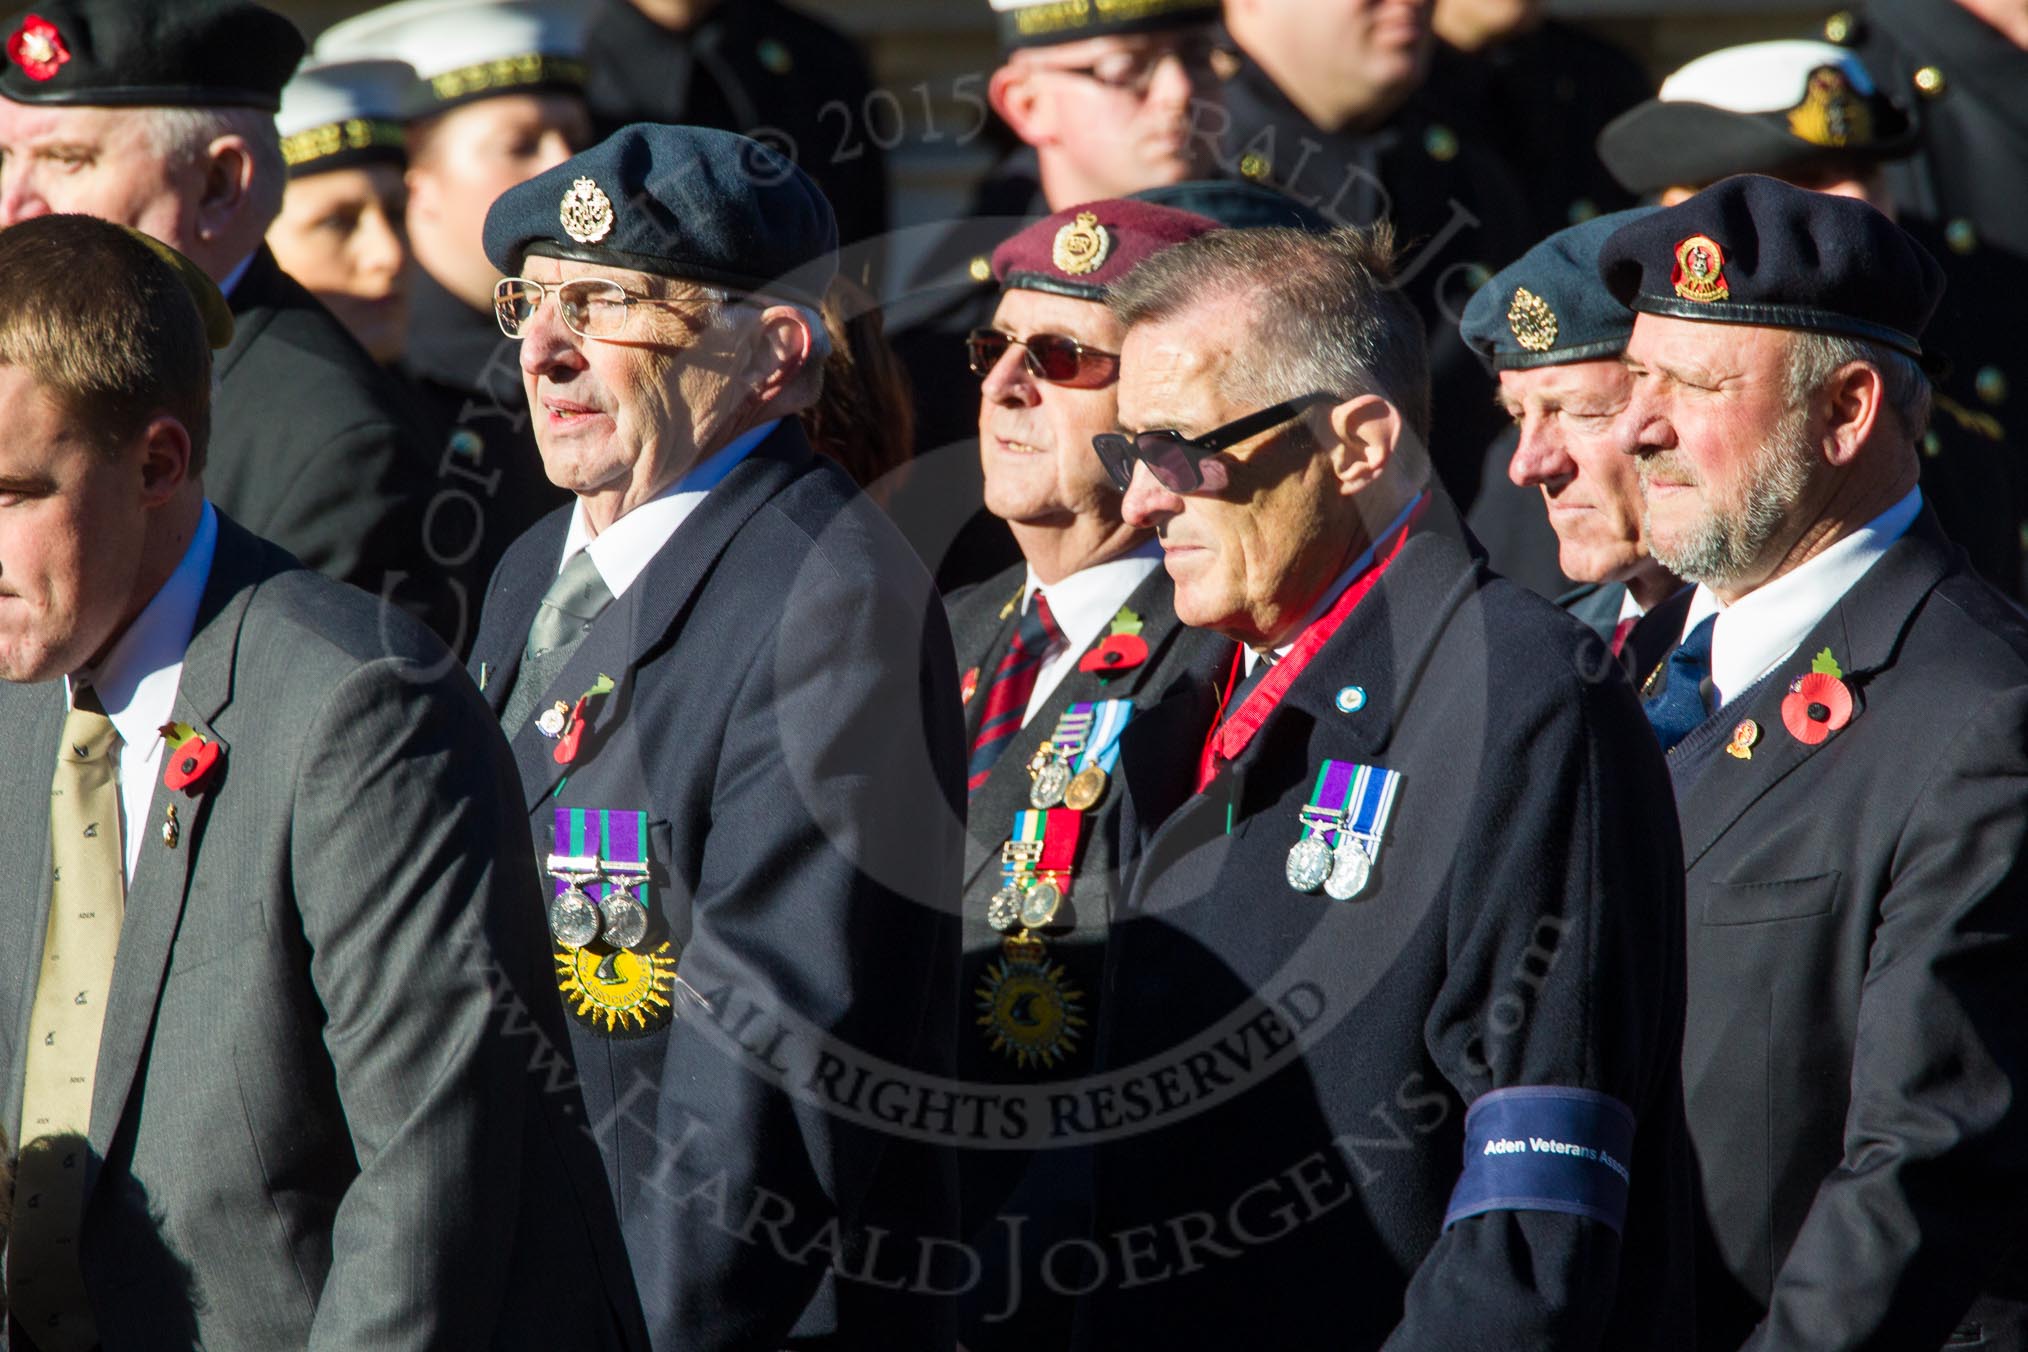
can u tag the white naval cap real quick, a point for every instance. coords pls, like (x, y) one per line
(343, 113)
(469, 49)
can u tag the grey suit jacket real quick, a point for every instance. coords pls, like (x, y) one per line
(334, 1104)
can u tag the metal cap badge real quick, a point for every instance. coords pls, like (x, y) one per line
(1531, 321)
(586, 212)
(1700, 270)
(1082, 246)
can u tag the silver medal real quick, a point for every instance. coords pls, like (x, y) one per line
(1309, 864)
(1351, 868)
(1003, 912)
(573, 918)
(1038, 908)
(1050, 783)
(626, 920)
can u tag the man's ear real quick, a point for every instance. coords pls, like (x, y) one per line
(1363, 433)
(1016, 96)
(1857, 398)
(166, 460)
(227, 187)
(783, 352)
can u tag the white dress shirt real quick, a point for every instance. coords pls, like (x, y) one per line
(1760, 630)
(1083, 606)
(137, 681)
(622, 551)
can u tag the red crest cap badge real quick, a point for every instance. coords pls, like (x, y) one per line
(37, 48)
(1699, 273)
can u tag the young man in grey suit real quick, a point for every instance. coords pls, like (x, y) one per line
(1846, 722)
(272, 1031)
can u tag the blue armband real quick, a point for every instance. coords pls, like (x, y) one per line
(1545, 1148)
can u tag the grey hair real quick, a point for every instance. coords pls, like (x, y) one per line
(1815, 357)
(1326, 313)
(181, 136)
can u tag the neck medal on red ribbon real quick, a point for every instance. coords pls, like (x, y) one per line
(1342, 829)
(1028, 1008)
(611, 979)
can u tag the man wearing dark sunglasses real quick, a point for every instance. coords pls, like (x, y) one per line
(1393, 993)
(1058, 651)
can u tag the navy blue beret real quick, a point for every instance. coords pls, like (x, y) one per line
(1753, 250)
(1547, 308)
(706, 206)
(153, 53)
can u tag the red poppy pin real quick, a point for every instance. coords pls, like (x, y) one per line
(37, 48)
(1122, 651)
(574, 729)
(969, 686)
(192, 759)
(1818, 703)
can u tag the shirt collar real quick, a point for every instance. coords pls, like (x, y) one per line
(137, 680)
(623, 550)
(1758, 631)
(232, 279)
(1084, 603)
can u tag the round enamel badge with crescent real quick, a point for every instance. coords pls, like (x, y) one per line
(1531, 321)
(1082, 246)
(586, 212)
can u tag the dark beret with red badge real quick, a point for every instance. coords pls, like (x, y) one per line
(1754, 250)
(1082, 250)
(149, 53)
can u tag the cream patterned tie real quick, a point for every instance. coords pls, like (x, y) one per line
(87, 900)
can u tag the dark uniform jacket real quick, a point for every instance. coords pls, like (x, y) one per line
(1540, 99)
(1858, 1023)
(1457, 213)
(333, 1104)
(486, 482)
(311, 446)
(1286, 1076)
(760, 68)
(785, 712)
(1964, 195)
(1048, 1200)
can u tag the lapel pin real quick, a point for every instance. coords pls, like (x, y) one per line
(485, 670)
(1351, 699)
(551, 720)
(192, 758)
(1743, 738)
(969, 686)
(170, 831)
(1819, 703)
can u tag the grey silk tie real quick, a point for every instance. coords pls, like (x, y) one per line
(577, 598)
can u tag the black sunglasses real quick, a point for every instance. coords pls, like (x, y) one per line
(1054, 357)
(1183, 464)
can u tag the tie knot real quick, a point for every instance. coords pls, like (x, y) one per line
(88, 735)
(1696, 645)
(1039, 630)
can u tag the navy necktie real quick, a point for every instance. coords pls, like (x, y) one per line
(1680, 708)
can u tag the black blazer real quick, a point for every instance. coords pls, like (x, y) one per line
(786, 714)
(1858, 1022)
(1286, 1076)
(312, 445)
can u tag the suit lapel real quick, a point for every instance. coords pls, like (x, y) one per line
(510, 610)
(1006, 619)
(37, 711)
(252, 305)
(649, 610)
(162, 877)
(1862, 630)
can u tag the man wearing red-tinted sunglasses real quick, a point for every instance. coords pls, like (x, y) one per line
(1059, 652)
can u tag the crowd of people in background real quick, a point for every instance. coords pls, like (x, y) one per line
(1380, 702)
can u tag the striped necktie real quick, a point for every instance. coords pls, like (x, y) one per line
(1013, 683)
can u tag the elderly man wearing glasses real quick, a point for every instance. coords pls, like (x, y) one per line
(1057, 652)
(728, 686)
(1394, 995)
